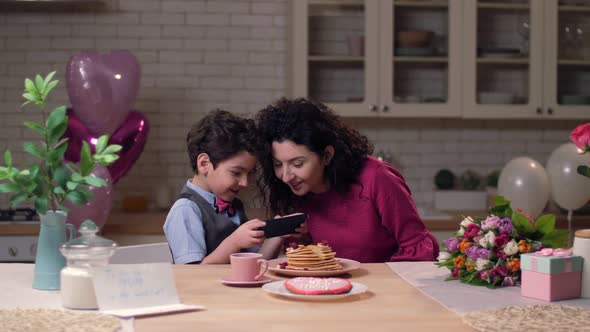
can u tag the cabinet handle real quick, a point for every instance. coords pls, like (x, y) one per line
(12, 251)
(33, 249)
(550, 111)
(384, 108)
(373, 108)
(539, 110)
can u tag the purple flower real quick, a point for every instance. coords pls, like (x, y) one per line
(490, 222)
(472, 253)
(505, 226)
(452, 244)
(499, 271)
(483, 253)
(508, 281)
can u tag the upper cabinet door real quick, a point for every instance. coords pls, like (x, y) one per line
(335, 57)
(567, 59)
(503, 58)
(420, 59)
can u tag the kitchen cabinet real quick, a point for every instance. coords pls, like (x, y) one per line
(526, 59)
(383, 78)
(483, 59)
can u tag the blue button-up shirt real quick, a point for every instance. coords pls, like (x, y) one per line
(184, 228)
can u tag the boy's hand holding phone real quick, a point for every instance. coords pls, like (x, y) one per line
(248, 235)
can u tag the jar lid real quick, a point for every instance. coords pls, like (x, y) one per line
(89, 239)
(583, 233)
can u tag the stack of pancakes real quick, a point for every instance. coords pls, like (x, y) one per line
(312, 258)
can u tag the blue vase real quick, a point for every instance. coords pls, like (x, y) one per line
(49, 261)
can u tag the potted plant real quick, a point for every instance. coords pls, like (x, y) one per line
(49, 182)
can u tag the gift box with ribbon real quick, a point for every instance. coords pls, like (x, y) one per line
(551, 274)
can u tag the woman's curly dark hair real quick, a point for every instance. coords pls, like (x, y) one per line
(314, 125)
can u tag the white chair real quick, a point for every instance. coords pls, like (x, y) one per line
(142, 253)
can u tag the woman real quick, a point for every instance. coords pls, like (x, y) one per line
(362, 207)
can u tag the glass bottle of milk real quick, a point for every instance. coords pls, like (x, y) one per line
(82, 254)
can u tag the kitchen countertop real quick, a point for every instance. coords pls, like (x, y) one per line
(150, 223)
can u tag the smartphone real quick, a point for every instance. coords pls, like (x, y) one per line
(284, 225)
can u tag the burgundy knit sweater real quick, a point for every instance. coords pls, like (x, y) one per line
(375, 221)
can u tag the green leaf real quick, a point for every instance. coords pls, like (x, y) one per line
(34, 171)
(86, 192)
(18, 198)
(56, 124)
(102, 143)
(30, 97)
(36, 127)
(41, 205)
(24, 172)
(105, 160)
(49, 77)
(39, 84)
(61, 176)
(9, 187)
(95, 181)
(60, 148)
(545, 223)
(3, 173)
(76, 198)
(584, 170)
(522, 224)
(77, 177)
(556, 239)
(86, 162)
(30, 87)
(8, 158)
(71, 185)
(49, 87)
(59, 190)
(112, 149)
(34, 150)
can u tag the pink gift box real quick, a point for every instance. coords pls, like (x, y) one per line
(563, 284)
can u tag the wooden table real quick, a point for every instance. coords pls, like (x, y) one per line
(390, 305)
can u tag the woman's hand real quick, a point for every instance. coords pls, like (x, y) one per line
(248, 235)
(301, 232)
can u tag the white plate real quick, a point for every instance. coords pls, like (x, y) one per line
(278, 288)
(347, 266)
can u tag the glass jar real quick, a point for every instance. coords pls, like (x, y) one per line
(82, 255)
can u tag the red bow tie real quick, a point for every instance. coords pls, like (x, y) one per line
(221, 205)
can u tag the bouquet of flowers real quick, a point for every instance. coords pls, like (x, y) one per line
(581, 138)
(486, 251)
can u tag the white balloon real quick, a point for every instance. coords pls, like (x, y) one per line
(569, 189)
(524, 182)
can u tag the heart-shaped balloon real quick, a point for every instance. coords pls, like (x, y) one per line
(131, 135)
(102, 88)
(98, 208)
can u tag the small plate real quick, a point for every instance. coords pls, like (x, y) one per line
(278, 288)
(347, 266)
(238, 283)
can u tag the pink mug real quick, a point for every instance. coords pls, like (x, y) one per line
(246, 266)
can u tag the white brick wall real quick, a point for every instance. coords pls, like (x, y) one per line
(196, 55)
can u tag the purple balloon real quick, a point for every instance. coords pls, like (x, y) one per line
(102, 88)
(98, 208)
(131, 135)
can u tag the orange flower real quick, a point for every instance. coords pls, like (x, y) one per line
(514, 264)
(464, 245)
(470, 265)
(524, 246)
(459, 262)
